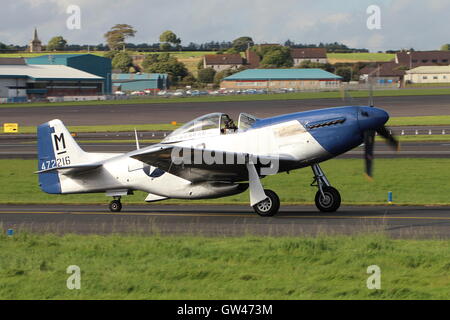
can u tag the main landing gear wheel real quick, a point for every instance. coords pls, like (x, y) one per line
(329, 201)
(268, 207)
(115, 206)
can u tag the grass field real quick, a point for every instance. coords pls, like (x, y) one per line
(420, 121)
(363, 57)
(155, 267)
(177, 54)
(231, 98)
(412, 181)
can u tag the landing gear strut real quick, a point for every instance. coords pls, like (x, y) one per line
(327, 198)
(115, 205)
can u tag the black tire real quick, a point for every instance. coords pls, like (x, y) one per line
(115, 206)
(331, 202)
(268, 207)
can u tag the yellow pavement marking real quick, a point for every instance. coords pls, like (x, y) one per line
(182, 214)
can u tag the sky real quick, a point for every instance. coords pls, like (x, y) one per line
(419, 24)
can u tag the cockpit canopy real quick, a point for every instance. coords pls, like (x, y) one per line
(210, 125)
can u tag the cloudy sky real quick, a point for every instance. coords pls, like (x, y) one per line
(420, 24)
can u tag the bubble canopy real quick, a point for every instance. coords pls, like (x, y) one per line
(204, 126)
(210, 125)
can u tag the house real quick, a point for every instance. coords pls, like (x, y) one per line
(387, 73)
(415, 59)
(252, 59)
(271, 79)
(316, 55)
(428, 74)
(394, 71)
(220, 62)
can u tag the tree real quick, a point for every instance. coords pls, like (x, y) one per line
(165, 63)
(445, 47)
(111, 54)
(56, 44)
(117, 35)
(345, 73)
(206, 75)
(278, 57)
(122, 61)
(149, 60)
(167, 38)
(243, 43)
(226, 73)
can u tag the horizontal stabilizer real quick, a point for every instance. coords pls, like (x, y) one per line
(72, 170)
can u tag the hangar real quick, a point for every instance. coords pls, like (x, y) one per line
(140, 81)
(89, 63)
(270, 79)
(20, 81)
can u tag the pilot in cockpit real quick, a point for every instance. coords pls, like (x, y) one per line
(227, 125)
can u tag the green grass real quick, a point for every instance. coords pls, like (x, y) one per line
(412, 181)
(420, 121)
(422, 138)
(361, 56)
(232, 98)
(186, 267)
(177, 54)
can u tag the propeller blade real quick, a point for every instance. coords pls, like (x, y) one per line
(390, 139)
(371, 102)
(369, 141)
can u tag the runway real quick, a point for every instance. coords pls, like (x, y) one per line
(183, 112)
(27, 149)
(227, 220)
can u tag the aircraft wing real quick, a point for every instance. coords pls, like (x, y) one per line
(72, 170)
(208, 165)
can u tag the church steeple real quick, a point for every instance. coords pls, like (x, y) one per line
(35, 44)
(35, 37)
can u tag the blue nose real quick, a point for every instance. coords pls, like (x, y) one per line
(372, 118)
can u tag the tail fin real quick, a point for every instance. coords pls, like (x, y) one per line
(56, 148)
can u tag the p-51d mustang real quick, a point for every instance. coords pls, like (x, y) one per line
(211, 157)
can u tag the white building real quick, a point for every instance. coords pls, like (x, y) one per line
(428, 74)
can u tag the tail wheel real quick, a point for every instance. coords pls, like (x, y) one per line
(329, 201)
(268, 207)
(115, 206)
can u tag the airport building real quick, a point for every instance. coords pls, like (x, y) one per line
(90, 63)
(272, 79)
(139, 81)
(20, 81)
(428, 74)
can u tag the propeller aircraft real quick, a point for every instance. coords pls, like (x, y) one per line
(212, 157)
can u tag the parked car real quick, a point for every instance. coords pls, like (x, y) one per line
(138, 93)
(119, 93)
(179, 93)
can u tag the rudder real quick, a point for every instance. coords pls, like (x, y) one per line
(56, 148)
